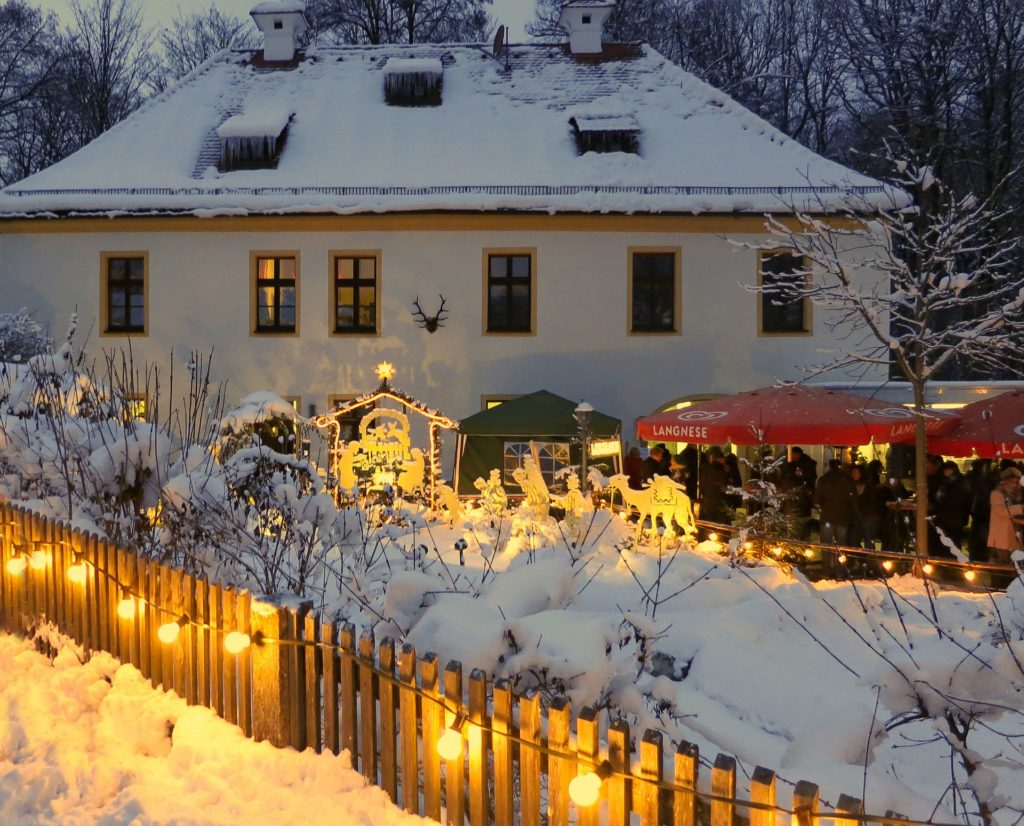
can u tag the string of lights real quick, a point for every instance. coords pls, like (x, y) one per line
(584, 789)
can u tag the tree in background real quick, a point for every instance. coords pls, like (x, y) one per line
(919, 286)
(191, 40)
(399, 21)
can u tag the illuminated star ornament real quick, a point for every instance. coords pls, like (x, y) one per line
(385, 370)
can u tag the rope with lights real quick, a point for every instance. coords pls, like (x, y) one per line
(584, 789)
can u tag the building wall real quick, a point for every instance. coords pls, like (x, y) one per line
(199, 299)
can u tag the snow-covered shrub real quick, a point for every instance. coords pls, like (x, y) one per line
(21, 337)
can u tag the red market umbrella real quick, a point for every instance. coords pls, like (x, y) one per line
(991, 428)
(789, 414)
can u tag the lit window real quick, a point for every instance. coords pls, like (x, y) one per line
(124, 286)
(654, 291)
(509, 293)
(356, 299)
(783, 308)
(276, 286)
(553, 457)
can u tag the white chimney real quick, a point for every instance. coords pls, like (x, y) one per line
(282, 23)
(584, 20)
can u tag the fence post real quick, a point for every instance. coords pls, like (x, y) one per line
(684, 803)
(407, 730)
(387, 691)
(650, 771)
(502, 746)
(272, 678)
(619, 787)
(805, 803)
(433, 717)
(849, 806)
(588, 751)
(529, 759)
(560, 769)
(478, 748)
(723, 787)
(762, 791)
(454, 771)
(367, 708)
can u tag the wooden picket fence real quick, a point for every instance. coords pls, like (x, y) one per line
(311, 684)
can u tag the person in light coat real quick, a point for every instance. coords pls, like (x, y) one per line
(1003, 535)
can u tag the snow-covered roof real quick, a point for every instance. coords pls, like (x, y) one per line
(278, 7)
(256, 123)
(606, 123)
(500, 140)
(413, 65)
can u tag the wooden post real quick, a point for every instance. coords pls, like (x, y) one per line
(329, 655)
(129, 573)
(478, 747)
(806, 803)
(762, 791)
(619, 790)
(367, 709)
(407, 729)
(314, 672)
(270, 673)
(432, 720)
(156, 656)
(847, 805)
(163, 598)
(147, 633)
(651, 772)
(529, 759)
(723, 789)
(188, 638)
(684, 803)
(217, 653)
(560, 769)
(454, 770)
(347, 644)
(388, 702)
(296, 653)
(202, 638)
(173, 609)
(502, 746)
(243, 664)
(588, 749)
(230, 661)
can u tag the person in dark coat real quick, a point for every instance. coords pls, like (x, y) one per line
(869, 509)
(714, 479)
(796, 482)
(653, 464)
(834, 497)
(981, 479)
(732, 467)
(952, 508)
(633, 467)
(690, 458)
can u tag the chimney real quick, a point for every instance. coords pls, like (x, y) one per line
(584, 20)
(282, 22)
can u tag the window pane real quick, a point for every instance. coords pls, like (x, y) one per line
(286, 268)
(346, 296)
(345, 268)
(654, 285)
(136, 268)
(498, 266)
(117, 268)
(287, 316)
(368, 268)
(264, 268)
(521, 266)
(288, 297)
(265, 297)
(783, 309)
(346, 317)
(137, 316)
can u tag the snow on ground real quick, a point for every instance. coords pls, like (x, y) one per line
(96, 744)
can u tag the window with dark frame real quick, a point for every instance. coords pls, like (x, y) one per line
(509, 294)
(355, 294)
(275, 295)
(654, 292)
(126, 294)
(783, 306)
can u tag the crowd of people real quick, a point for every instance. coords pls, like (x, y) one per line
(975, 514)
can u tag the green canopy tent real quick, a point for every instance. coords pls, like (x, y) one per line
(499, 438)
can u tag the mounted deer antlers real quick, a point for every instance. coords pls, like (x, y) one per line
(429, 322)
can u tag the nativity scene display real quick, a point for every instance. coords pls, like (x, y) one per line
(378, 454)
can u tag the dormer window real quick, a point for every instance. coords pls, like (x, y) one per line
(586, 20)
(606, 133)
(278, 24)
(253, 140)
(413, 81)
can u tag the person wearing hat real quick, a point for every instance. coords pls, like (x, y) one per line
(1003, 537)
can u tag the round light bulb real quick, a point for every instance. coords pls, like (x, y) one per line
(37, 560)
(842, 559)
(748, 546)
(970, 576)
(777, 550)
(887, 565)
(585, 789)
(168, 632)
(236, 642)
(713, 537)
(808, 553)
(449, 745)
(126, 608)
(927, 568)
(17, 565)
(77, 573)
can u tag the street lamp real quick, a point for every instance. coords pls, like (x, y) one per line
(582, 415)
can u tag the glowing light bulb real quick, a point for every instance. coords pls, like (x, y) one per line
(585, 789)
(126, 607)
(17, 565)
(888, 565)
(169, 631)
(842, 559)
(77, 573)
(37, 560)
(449, 745)
(748, 546)
(970, 576)
(808, 553)
(777, 550)
(235, 642)
(927, 569)
(713, 537)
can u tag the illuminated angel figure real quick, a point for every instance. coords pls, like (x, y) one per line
(531, 480)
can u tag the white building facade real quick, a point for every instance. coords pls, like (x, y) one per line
(576, 212)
